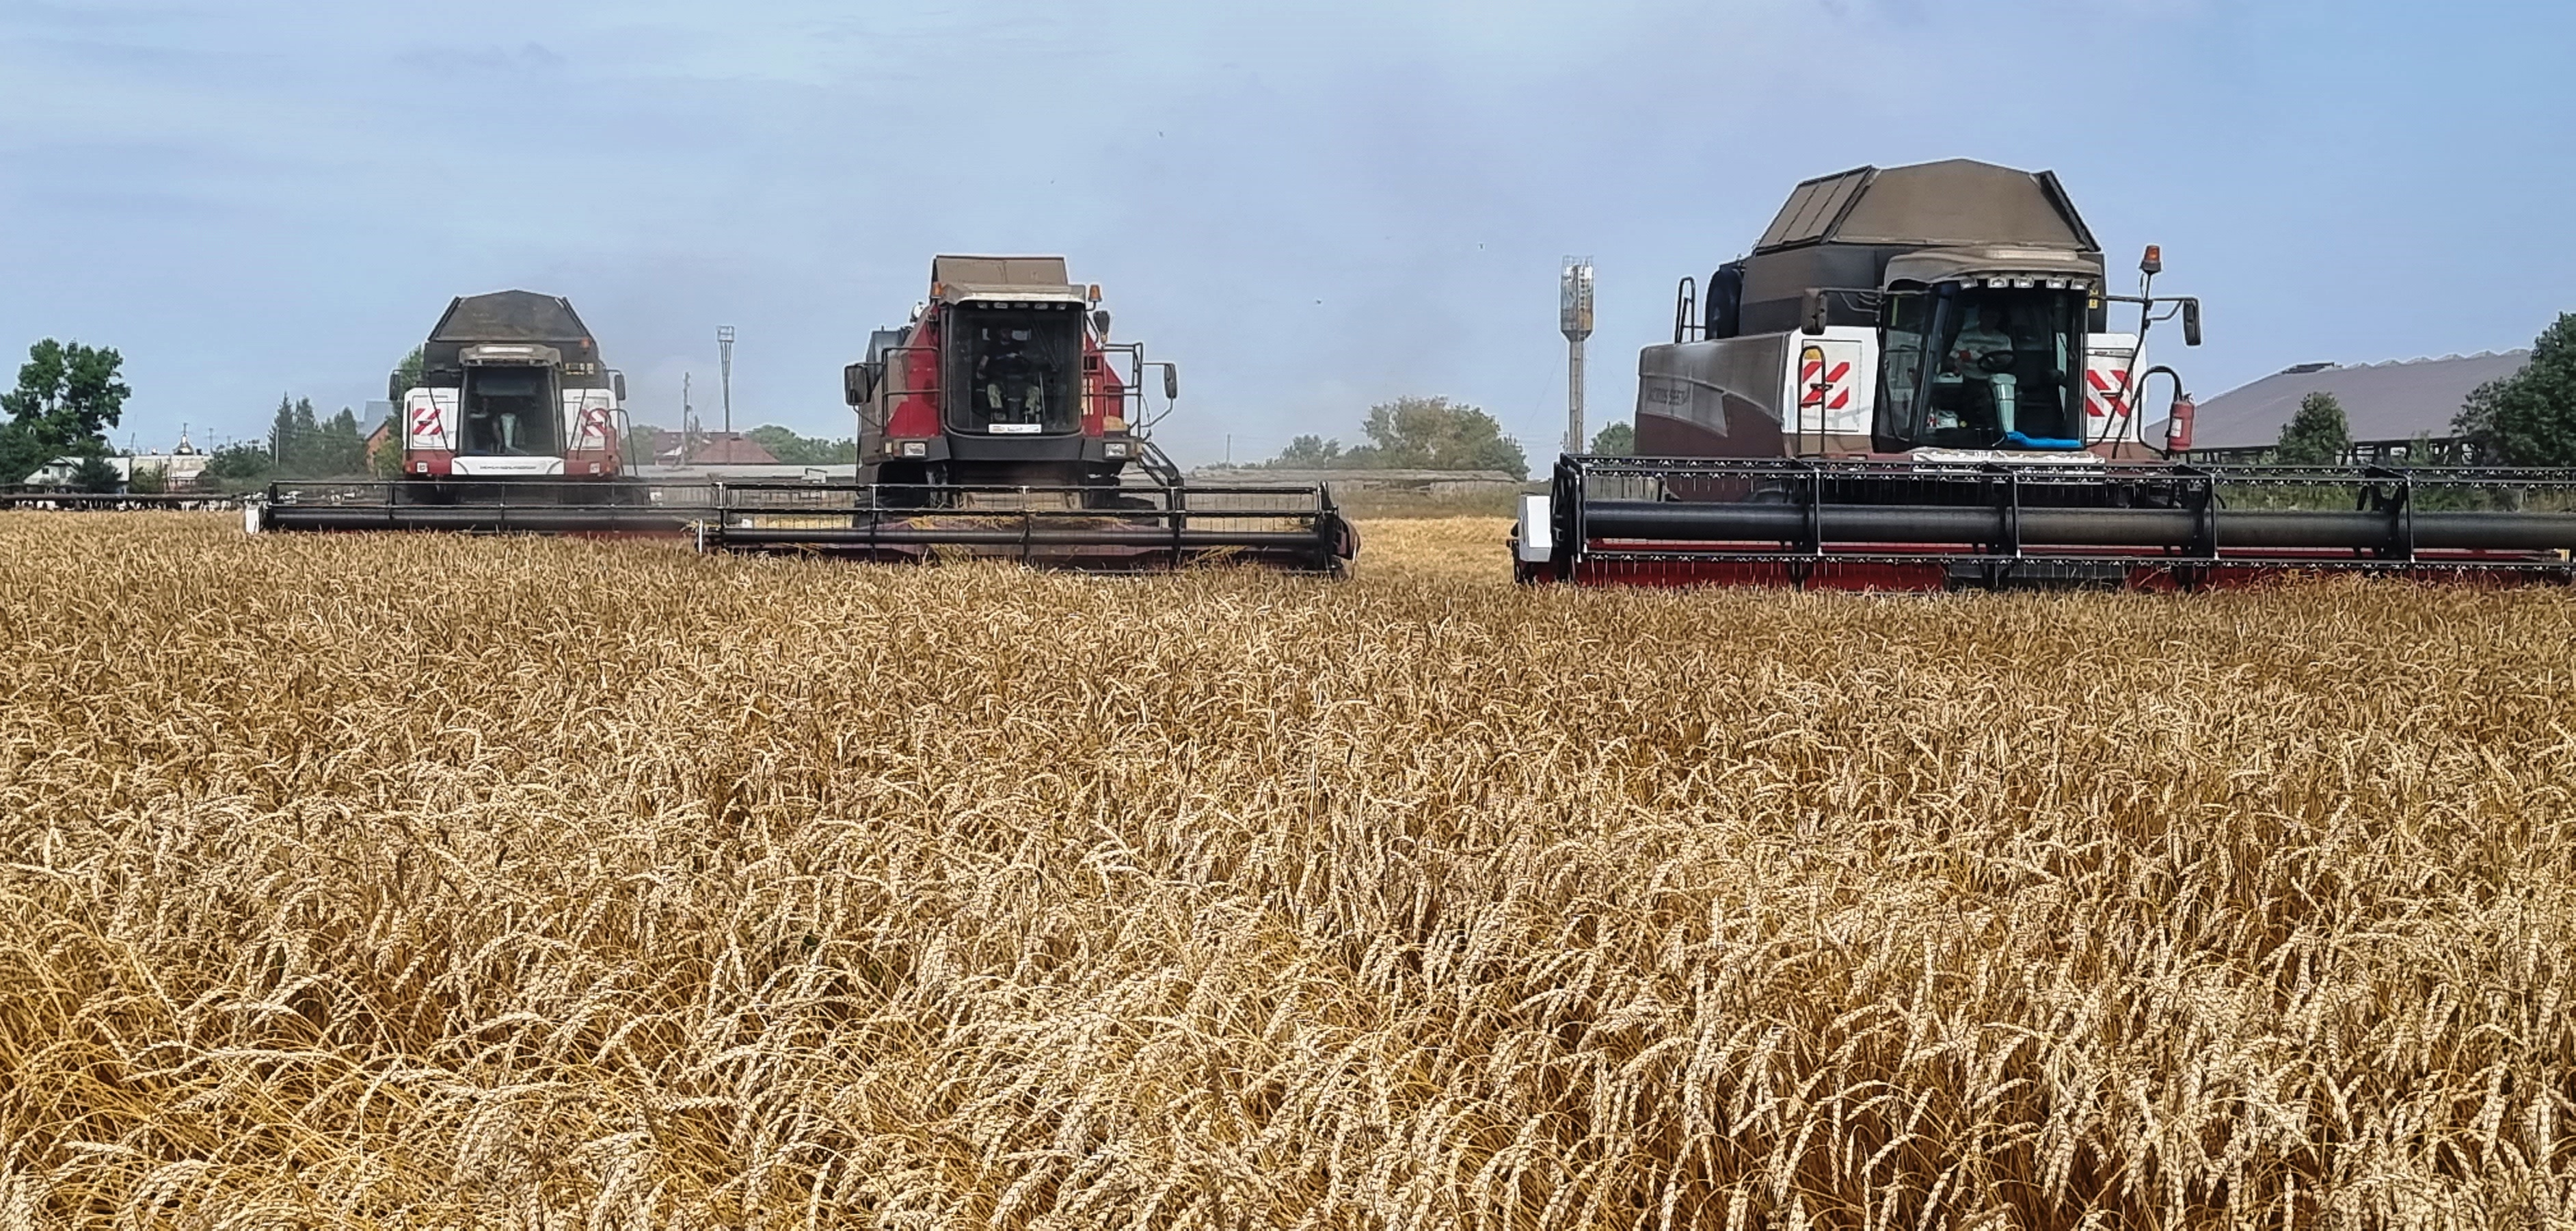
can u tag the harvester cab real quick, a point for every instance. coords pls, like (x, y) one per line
(1912, 383)
(1004, 377)
(1954, 306)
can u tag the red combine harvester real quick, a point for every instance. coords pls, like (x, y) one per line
(1912, 384)
(1001, 421)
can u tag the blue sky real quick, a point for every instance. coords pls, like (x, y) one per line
(1310, 207)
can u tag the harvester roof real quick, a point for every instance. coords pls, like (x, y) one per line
(1958, 203)
(955, 279)
(1845, 231)
(510, 316)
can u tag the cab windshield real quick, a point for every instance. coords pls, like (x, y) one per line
(509, 411)
(1983, 368)
(1017, 370)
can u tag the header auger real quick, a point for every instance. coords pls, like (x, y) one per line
(1912, 384)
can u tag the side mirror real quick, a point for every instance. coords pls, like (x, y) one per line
(858, 384)
(1171, 382)
(394, 390)
(2191, 322)
(1100, 322)
(1811, 314)
(617, 385)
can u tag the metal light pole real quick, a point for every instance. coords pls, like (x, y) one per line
(1574, 319)
(724, 349)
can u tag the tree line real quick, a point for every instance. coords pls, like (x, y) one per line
(66, 398)
(1413, 433)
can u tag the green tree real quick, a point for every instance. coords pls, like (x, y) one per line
(339, 449)
(2317, 435)
(282, 442)
(1614, 440)
(1308, 453)
(797, 450)
(68, 395)
(306, 446)
(237, 467)
(149, 481)
(96, 474)
(640, 438)
(2529, 418)
(1435, 434)
(386, 460)
(307, 439)
(408, 374)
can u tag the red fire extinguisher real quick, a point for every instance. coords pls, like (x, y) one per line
(2178, 424)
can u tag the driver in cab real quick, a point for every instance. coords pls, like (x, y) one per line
(1984, 352)
(1013, 386)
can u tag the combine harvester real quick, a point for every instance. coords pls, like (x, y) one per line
(1002, 422)
(1911, 384)
(516, 425)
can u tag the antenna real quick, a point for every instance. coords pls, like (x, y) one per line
(724, 350)
(1574, 320)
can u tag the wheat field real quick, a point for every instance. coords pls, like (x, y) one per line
(438, 882)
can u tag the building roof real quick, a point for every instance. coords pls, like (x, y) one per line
(2397, 400)
(730, 450)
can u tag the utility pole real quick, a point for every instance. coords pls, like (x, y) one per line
(1574, 319)
(688, 424)
(724, 350)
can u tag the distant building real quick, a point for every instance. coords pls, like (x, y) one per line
(180, 467)
(381, 414)
(2394, 410)
(708, 449)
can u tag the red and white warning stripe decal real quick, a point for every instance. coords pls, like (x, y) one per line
(1819, 387)
(594, 432)
(2108, 394)
(425, 422)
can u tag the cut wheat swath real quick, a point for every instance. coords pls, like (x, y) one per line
(440, 882)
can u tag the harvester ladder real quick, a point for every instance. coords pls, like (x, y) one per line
(1151, 459)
